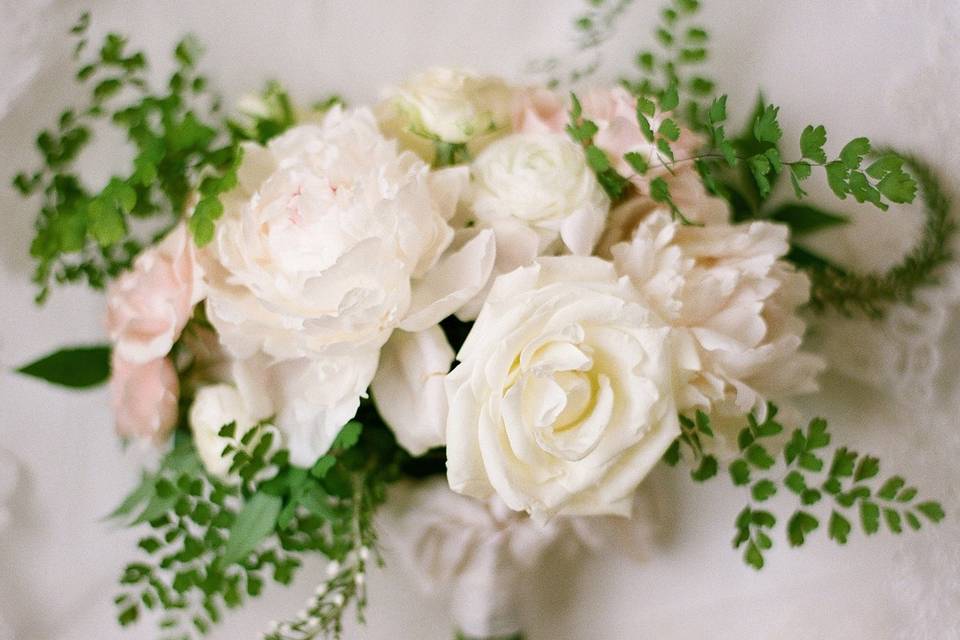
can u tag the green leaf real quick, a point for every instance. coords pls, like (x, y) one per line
(839, 528)
(597, 159)
(837, 175)
(803, 219)
(106, 222)
(799, 526)
(843, 463)
(765, 127)
(758, 457)
(669, 129)
(646, 107)
(636, 161)
(892, 518)
(811, 143)
(753, 557)
(852, 153)
(718, 110)
(706, 470)
(795, 482)
(762, 490)
(349, 435)
(759, 168)
(932, 510)
(898, 187)
(322, 466)
(670, 98)
(890, 488)
(75, 367)
(740, 472)
(134, 499)
(672, 455)
(254, 522)
(870, 517)
(868, 468)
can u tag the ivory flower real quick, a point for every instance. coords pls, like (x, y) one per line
(563, 398)
(214, 407)
(446, 105)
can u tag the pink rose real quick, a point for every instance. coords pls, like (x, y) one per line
(539, 110)
(148, 306)
(144, 398)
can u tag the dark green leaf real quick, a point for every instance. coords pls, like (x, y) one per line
(870, 517)
(740, 472)
(804, 219)
(763, 490)
(932, 510)
(799, 526)
(75, 367)
(765, 127)
(852, 153)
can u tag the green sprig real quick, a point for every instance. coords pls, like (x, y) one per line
(798, 467)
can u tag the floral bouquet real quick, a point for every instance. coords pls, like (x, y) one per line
(489, 309)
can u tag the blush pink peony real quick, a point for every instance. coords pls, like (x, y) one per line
(144, 398)
(148, 306)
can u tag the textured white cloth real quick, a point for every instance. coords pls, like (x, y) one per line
(873, 67)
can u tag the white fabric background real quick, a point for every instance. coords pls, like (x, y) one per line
(889, 69)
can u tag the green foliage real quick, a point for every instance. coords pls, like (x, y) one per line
(213, 543)
(582, 131)
(75, 367)
(871, 294)
(798, 467)
(87, 234)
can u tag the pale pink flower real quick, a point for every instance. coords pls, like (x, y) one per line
(144, 398)
(148, 306)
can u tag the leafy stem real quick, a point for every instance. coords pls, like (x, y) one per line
(846, 481)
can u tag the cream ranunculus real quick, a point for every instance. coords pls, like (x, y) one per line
(214, 407)
(446, 105)
(563, 398)
(726, 288)
(332, 239)
(541, 182)
(408, 387)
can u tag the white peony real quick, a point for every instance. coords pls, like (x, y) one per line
(332, 239)
(563, 398)
(311, 398)
(408, 387)
(726, 289)
(448, 105)
(214, 407)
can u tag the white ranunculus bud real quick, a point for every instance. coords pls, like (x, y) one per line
(563, 398)
(446, 105)
(214, 407)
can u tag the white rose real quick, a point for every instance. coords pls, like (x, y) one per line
(726, 288)
(311, 399)
(332, 239)
(408, 387)
(448, 105)
(214, 407)
(562, 401)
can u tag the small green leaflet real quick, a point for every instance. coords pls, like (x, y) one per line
(74, 367)
(811, 143)
(254, 523)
